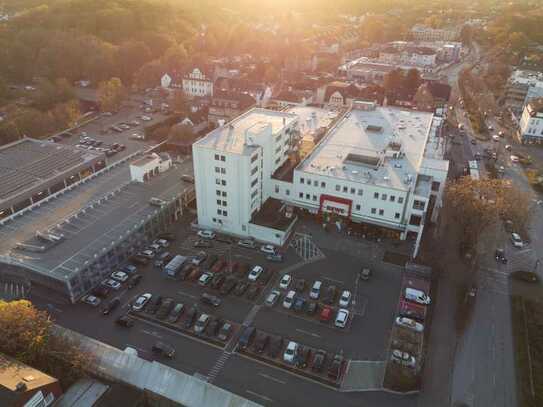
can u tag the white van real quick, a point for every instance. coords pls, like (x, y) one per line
(411, 294)
(315, 290)
(289, 299)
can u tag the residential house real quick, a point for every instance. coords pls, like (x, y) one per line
(531, 122)
(226, 105)
(198, 83)
(165, 81)
(338, 93)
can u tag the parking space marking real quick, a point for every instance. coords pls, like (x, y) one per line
(308, 333)
(259, 396)
(274, 379)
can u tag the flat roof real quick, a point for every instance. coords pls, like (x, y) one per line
(313, 118)
(231, 137)
(13, 372)
(91, 229)
(384, 146)
(27, 163)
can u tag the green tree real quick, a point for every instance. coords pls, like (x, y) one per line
(149, 75)
(179, 102)
(132, 55)
(393, 81)
(412, 80)
(174, 58)
(111, 94)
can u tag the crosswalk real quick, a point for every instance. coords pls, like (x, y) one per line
(305, 247)
(219, 364)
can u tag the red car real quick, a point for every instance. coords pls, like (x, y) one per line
(218, 266)
(326, 314)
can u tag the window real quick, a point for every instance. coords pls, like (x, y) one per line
(218, 192)
(392, 198)
(243, 227)
(254, 158)
(217, 170)
(276, 189)
(345, 189)
(415, 220)
(400, 199)
(224, 203)
(307, 196)
(277, 149)
(219, 211)
(277, 160)
(419, 205)
(338, 188)
(376, 195)
(224, 213)
(384, 197)
(255, 193)
(218, 181)
(223, 183)
(373, 211)
(287, 191)
(309, 182)
(315, 183)
(224, 194)
(323, 184)
(358, 207)
(360, 192)
(301, 180)
(218, 202)
(223, 170)
(217, 157)
(214, 219)
(301, 195)
(314, 197)
(353, 191)
(255, 181)
(435, 186)
(381, 212)
(254, 170)
(397, 215)
(223, 158)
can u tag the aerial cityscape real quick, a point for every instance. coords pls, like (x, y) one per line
(273, 203)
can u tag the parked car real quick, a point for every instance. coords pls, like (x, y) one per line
(134, 280)
(125, 321)
(113, 284)
(315, 290)
(210, 299)
(203, 244)
(141, 302)
(253, 292)
(326, 314)
(256, 271)
(268, 249)
(176, 313)
(100, 291)
(319, 360)
(210, 261)
(205, 279)
(246, 337)
(311, 308)
(217, 281)
(334, 370)
(119, 276)
(272, 298)
(218, 266)
(262, 340)
(275, 258)
(110, 306)
(299, 304)
(500, 256)
(213, 326)
(345, 299)
(190, 317)
(241, 287)
(163, 349)
(330, 295)
(289, 355)
(516, 240)
(154, 305)
(403, 358)
(207, 234)
(247, 243)
(288, 301)
(228, 285)
(341, 318)
(199, 258)
(285, 281)
(129, 269)
(165, 308)
(409, 324)
(365, 274)
(201, 323)
(148, 254)
(225, 331)
(92, 300)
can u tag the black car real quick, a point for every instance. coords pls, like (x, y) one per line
(100, 291)
(134, 280)
(500, 256)
(319, 359)
(163, 349)
(299, 304)
(217, 281)
(228, 285)
(110, 306)
(210, 299)
(275, 346)
(165, 308)
(241, 287)
(125, 321)
(311, 308)
(262, 340)
(246, 337)
(191, 317)
(154, 305)
(213, 327)
(253, 292)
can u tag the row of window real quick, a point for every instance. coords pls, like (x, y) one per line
(220, 170)
(391, 198)
(219, 181)
(221, 193)
(222, 212)
(382, 212)
(220, 157)
(221, 203)
(287, 191)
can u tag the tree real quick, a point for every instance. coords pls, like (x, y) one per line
(132, 55)
(27, 335)
(179, 103)
(111, 94)
(174, 58)
(412, 80)
(393, 81)
(148, 76)
(271, 75)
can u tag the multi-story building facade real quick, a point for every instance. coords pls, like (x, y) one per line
(522, 87)
(531, 122)
(416, 56)
(374, 165)
(227, 105)
(423, 33)
(197, 84)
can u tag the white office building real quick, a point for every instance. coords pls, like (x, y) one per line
(197, 84)
(531, 122)
(380, 166)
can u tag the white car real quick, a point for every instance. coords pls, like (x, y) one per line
(290, 352)
(289, 299)
(141, 302)
(255, 273)
(345, 299)
(285, 281)
(162, 242)
(403, 358)
(119, 276)
(508, 147)
(92, 300)
(268, 249)
(514, 159)
(148, 253)
(495, 137)
(341, 318)
(207, 234)
(516, 240)
(315, 290)
(409, 324)
(115, 285)
(205, 279)
(146, 118)
(272, 298)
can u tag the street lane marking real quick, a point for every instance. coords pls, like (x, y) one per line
(259, 395)
(307, 333)
(274, 379)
